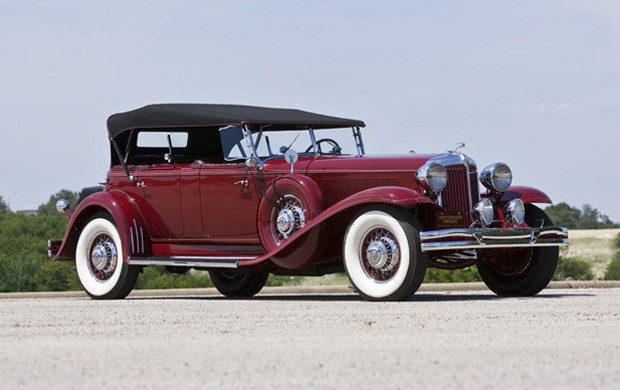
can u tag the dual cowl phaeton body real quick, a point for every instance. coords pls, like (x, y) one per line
(247, 191)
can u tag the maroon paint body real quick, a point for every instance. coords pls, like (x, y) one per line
(206, 209)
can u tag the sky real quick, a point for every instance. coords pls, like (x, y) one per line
(532, 83)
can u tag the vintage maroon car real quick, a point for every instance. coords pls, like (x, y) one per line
(221, 188)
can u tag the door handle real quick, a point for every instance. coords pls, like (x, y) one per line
(243, 183)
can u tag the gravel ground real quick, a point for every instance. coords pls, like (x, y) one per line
(463, 339)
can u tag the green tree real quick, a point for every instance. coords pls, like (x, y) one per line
(24, 264)
(564, 215)
(4, 208)
(613, 269)
(571, 217)
(591, 218)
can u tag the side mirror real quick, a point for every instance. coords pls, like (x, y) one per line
(291, 156)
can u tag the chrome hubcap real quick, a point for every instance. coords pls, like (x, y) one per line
(287, 218)
(99, 257)
(103, 257)
(377, 254)
(380, 254)
(286, 222)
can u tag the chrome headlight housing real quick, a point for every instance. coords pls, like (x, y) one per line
(496, 177)
(432, 176)
(515, 211)
(61, 205)
(483, 212)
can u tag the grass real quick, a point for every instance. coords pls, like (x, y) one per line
(593, 246)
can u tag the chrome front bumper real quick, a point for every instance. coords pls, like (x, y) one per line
(462, 239)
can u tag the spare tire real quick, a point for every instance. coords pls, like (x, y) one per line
(288, 204)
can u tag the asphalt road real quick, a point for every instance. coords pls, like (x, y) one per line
(460, 339)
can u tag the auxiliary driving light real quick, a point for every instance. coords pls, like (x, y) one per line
(515, 211)
(483, 212)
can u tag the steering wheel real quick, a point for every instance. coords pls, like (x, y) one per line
(336, 149)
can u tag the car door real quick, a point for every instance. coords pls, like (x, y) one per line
(159, 186)
(229, 201)
(158, 180)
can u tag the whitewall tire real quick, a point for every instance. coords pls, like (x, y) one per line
(99, 261)
(382, 254)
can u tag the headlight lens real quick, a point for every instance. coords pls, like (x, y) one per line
(483, 212)
(61, 205)
(432, 176)
(496, 177)
(515, 211)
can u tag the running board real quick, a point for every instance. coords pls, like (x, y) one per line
(189, 261)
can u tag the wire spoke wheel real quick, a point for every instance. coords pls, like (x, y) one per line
(103, 257)
(380, 253)
(99, 260)
(288, 217)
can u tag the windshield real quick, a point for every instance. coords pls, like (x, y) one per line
(271, 144)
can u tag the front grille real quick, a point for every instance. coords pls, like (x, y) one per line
(456, 197)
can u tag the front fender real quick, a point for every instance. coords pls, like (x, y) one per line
(526, 194)
(127, 217)
(391, 195)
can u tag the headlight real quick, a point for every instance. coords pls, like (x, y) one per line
(515, 211)
(496, 177)
(61, 205)
(483, 212)
(432, 176)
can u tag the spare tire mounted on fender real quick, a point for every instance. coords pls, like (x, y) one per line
(288, 204)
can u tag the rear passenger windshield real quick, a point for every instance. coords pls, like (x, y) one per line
(160, 139)
(172, 146)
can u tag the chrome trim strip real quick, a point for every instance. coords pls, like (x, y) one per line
(463, 245)
(189, 261)
(439, 240)
(142, 238)
(131, 236)
(135, 224)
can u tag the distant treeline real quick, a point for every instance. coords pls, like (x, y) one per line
(573, 218)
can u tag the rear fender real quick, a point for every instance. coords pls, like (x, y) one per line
(127, 217)
(396, 196)
(526, 194)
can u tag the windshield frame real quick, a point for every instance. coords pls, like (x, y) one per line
(254, 138)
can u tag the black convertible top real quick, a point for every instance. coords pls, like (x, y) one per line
(210, 115)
